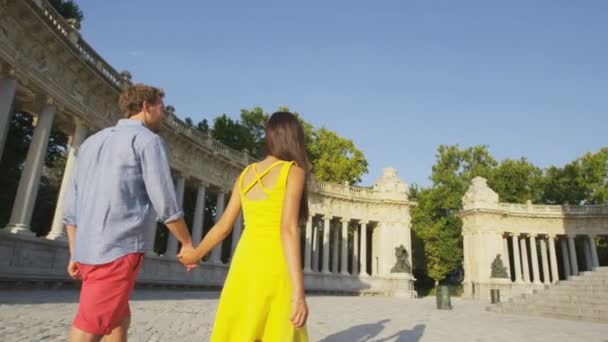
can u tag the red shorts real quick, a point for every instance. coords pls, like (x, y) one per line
(105, 292)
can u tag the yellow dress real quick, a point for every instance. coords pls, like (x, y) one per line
(255, 303)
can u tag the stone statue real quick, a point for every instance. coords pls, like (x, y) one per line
(402, 265)
(498, 269)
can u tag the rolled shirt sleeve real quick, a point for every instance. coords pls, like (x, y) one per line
(68, 215)
(158, 181)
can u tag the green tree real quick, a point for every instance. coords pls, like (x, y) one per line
(582, 181)
(332, 157)
(434, 219)
(68, 9)
(517, 181)
(232, 133)
(255, 122)
(335, 159)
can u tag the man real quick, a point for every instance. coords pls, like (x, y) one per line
(120, 178)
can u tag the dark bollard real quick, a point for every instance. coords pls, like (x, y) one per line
(495, 296)
(443, 297)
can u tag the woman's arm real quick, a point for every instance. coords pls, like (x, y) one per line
(218, 233)
(290, 237)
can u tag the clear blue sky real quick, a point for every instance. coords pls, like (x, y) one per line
(399, 78)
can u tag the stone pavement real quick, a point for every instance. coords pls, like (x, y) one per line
(174, 315)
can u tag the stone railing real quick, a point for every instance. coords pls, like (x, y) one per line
(206, 140)
(554, 209)
(63, 28)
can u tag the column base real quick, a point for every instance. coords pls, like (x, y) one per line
(150, 254)
(20, 229)
(170, 253)
(57, 237)
(345, 273)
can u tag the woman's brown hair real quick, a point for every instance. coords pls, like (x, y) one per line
(285, 140)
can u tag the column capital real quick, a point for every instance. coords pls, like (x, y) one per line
(345, 219)
(201, 183)
(364, 222)
(551, 236)
(532, 235)
(571, 235)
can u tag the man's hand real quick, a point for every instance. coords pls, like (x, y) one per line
(189, 257)
(73, 270)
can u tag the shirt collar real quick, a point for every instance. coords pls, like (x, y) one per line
(129, 122)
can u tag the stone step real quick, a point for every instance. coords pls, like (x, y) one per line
(576, 302)
(582, 289)
(563, 306)
(565, 310)
(575, 298)
(582, 297)
(589, 317)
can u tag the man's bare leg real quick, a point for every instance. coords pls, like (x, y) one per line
(119, 334)
(77, 335)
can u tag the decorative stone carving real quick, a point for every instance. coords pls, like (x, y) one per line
(480, 195)
(498, 269)
(402, 265)
(390, 185)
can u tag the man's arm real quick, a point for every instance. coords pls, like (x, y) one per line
(69, 219)
(161, 191)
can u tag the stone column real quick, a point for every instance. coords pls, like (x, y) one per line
(524, 259)
(307, 245)
(363, 253)
(326, 220)
(545, 260)
(374, 251)
(588, 258)
(216, 254)
(553, 259)
(8, 88)
(236, 233)
(516, 258)
(80, 133)
(23, 206)
(572, 250)
(505, 254)
(180, 186)
(466, 259)
(315, 248)
(344, 266)
(534, 257)
(355, 259)
(199, 214)
(335, 251)
(566, 258)
(593, 247)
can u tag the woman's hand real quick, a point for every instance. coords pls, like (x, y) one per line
(189, 257)
(299, 312)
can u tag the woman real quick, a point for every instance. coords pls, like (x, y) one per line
(263, 296)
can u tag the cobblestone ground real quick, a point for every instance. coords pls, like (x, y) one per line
(172, 315)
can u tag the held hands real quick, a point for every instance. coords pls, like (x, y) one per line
(189, 257)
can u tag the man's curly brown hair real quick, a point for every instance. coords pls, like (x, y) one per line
(131, 100)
